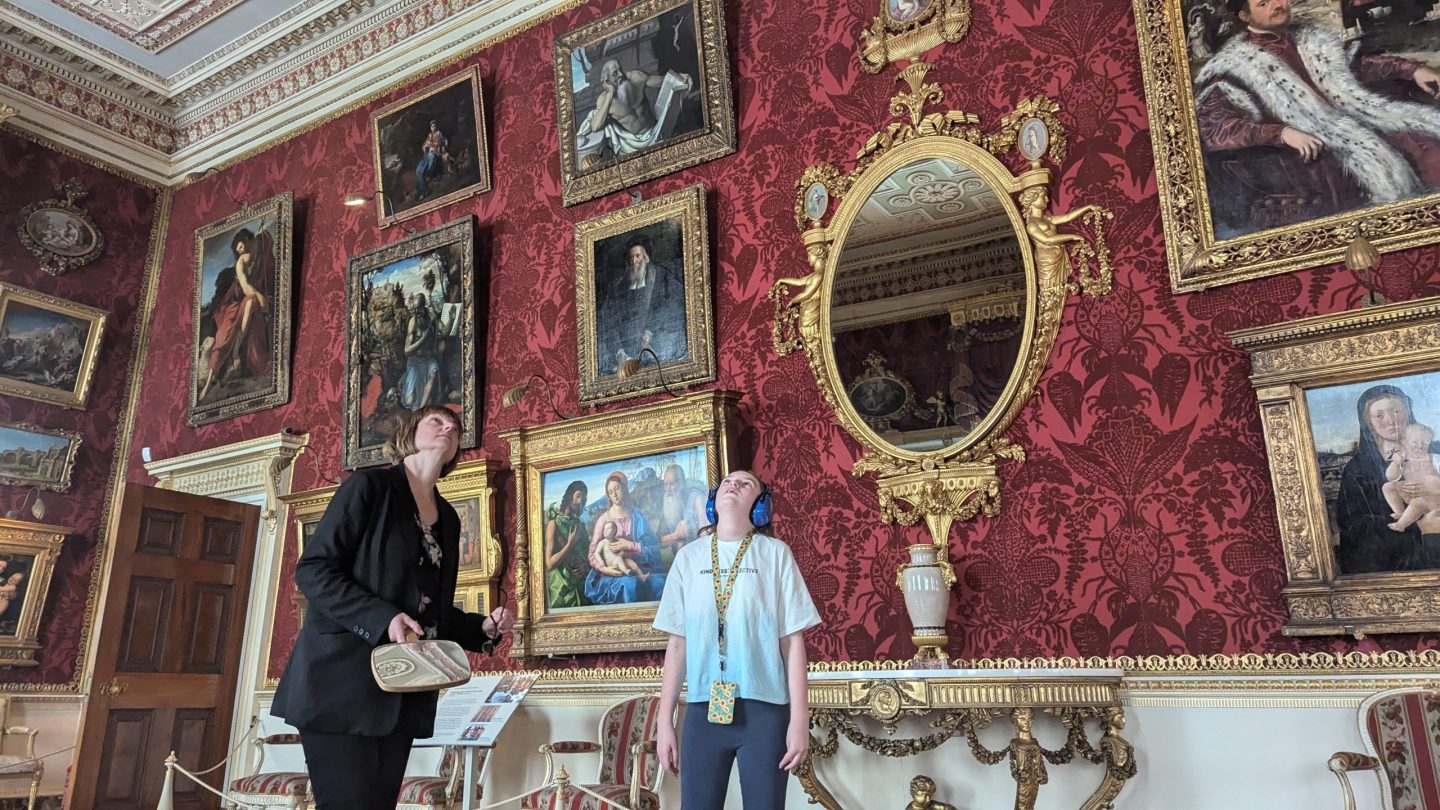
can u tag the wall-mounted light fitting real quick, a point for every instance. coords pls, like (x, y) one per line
(513, 395)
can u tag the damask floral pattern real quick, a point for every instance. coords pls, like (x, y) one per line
(1142, 520)
(125, 212)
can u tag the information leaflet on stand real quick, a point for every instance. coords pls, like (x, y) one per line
(473, 714)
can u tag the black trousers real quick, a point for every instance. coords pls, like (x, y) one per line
(707, 751)
(351, 772)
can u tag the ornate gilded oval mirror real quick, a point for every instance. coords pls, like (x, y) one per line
(928, 299)
(938, 281)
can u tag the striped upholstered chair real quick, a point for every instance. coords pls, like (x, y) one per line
(1401, 730)
(630, 772)
(275, 788)
(444, 790)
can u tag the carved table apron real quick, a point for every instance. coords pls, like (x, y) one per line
(957, 703)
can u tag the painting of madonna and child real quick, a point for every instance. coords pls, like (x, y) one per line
(1307, 109)
(612, 528)
(1380, 471)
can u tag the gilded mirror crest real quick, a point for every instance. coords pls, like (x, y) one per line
(938, 281)
(906, 29)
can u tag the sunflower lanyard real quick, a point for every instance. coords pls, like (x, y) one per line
(722, 692)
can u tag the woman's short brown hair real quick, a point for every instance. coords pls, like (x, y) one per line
(402, 442)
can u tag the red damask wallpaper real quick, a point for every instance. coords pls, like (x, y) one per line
(1143, 521)
(125, 213)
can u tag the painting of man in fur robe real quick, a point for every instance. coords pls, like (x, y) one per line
(1312, 111)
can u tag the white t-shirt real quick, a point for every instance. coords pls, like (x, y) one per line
(770, 601)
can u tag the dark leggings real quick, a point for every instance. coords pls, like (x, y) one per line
(756, 738)
(351, 772)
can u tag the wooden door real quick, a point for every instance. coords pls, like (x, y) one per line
(169, 649)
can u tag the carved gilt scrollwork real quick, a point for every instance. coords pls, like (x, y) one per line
(958, 481)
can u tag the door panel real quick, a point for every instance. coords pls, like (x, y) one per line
(208, 623)
(168, 654)
(147, 614)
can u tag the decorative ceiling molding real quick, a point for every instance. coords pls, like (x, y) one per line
(320, 67)
(148, 24)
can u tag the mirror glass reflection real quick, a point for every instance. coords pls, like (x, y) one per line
(928, 306)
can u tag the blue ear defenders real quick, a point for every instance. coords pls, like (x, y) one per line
(760, 512)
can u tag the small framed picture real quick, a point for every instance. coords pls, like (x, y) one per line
(642, 290)
(34, 456)
(48, 346)
(60, 233)
(430, 148)
(642, 92)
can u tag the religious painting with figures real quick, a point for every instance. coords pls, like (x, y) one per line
(613, 528)
(1350, 403)
(1291, 113)
(15, 575)
(409, 336)
(1375, 446)
(240, 349)
(431, 148)
(642, 92)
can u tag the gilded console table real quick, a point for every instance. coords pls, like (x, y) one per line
(959, 702)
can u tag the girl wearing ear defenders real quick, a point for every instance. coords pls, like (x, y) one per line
(735, 607)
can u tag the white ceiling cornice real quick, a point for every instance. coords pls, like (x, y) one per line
(329, 60)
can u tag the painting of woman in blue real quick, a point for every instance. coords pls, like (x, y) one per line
(633, 539)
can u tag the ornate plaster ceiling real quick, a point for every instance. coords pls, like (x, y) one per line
(165, 87)
(924, 207)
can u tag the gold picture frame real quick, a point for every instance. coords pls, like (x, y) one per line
(614, 453)
(614, 321)
(28, 552)
(387, 290)
(679, 130)
(60, 233)
(33, 323)
(306, 509)
(1206, 248)
(34, 456)
(469, 488)
(1321, 382)
(253, 371)
(401, 142)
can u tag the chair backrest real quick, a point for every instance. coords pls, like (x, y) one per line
(1402, 729)
(627, 722)
(453, 756)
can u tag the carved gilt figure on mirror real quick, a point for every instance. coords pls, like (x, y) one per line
(938, 279)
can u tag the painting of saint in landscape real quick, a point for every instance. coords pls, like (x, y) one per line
(409, 336)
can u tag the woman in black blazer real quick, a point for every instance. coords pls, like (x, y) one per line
(382, 563)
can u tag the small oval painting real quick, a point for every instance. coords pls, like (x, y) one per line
(1034, 138)
(60, 231)
(879, 397)
(817, 201)
(902, 11)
